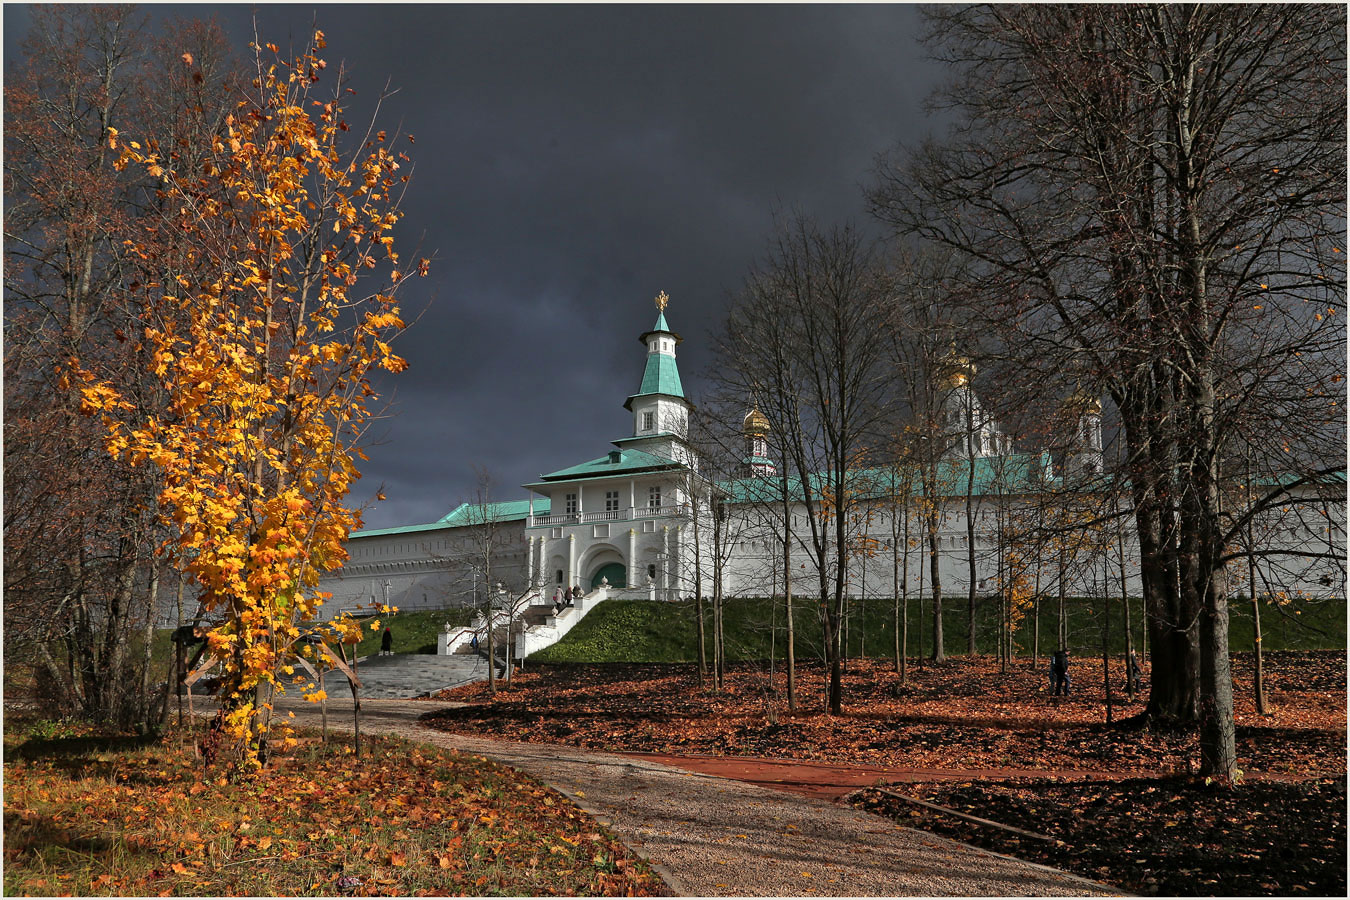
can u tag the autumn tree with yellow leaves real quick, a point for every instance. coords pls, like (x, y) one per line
(265, 349)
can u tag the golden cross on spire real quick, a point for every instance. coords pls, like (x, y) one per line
(661, 300)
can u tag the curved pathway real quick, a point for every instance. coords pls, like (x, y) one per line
(711, 836)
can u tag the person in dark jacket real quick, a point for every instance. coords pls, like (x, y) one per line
(1059, 671)
(387, 643)
(1132, 673)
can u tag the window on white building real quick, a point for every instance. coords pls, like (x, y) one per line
(571, 504)
(648, 421)
(654, 497)
(611, 501)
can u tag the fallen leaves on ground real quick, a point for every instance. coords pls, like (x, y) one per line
(1151, 836)
(1142, 823)
(88, 816)
(961, 714)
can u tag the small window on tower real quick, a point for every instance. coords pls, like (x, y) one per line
(648, 421)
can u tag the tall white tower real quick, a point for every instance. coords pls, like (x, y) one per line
(970, 429)
(1084, 458)
(660, 410)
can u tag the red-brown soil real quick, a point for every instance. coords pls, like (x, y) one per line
(1119, 802)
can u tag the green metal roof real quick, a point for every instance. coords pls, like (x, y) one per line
(468, 514)
(662, 376)
(401, 529)
(617, 462)
(1012, 473)
(510, 510)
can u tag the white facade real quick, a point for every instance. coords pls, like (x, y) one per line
(625, 520)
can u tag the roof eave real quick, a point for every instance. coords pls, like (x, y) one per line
(628, 404)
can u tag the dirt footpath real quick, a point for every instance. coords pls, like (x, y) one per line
(710, 836)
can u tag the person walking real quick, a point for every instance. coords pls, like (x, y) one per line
(1132, 673)
(1059, 671)
(387, 643)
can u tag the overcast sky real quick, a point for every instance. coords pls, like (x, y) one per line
(570, 164)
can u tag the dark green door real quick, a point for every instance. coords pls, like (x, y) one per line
(615, 572)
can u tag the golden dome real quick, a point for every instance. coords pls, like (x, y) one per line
(957, 371)
(1083, 403)
(755, 423)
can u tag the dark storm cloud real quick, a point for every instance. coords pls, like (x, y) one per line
(570, 163)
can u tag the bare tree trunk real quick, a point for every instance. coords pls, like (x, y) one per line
(939, 653)
(152, 595)
(787, 602)
(1106, 634)
(698, 592)
(1062, 627)
(1258, 677)
(1131, 683)
(1259, 683)
(970, 532)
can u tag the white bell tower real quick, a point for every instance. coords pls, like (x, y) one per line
(660, 410)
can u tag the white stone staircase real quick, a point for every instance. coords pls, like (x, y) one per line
(534, 626)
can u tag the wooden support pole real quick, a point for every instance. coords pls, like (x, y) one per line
(969, 818)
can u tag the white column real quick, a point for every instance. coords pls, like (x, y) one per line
(572, 556)
(632, 497)
(632, 577)
(665, 566)
(530, 519)
(677, 546)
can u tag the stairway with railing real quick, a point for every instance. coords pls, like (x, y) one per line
(528, 624)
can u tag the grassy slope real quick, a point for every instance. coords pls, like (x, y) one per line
(642, 631)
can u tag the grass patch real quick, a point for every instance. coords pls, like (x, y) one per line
(640, 631)
(415, 631)
(90, 815)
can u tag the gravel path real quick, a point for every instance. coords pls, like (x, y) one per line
(711, 836)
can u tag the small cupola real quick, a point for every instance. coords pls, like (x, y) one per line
(755, 427)
(755, 423)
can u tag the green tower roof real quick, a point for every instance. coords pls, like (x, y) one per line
(662, 375)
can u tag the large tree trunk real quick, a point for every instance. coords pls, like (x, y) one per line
(1173, 630)
(1218, 746)
(1172, 624)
